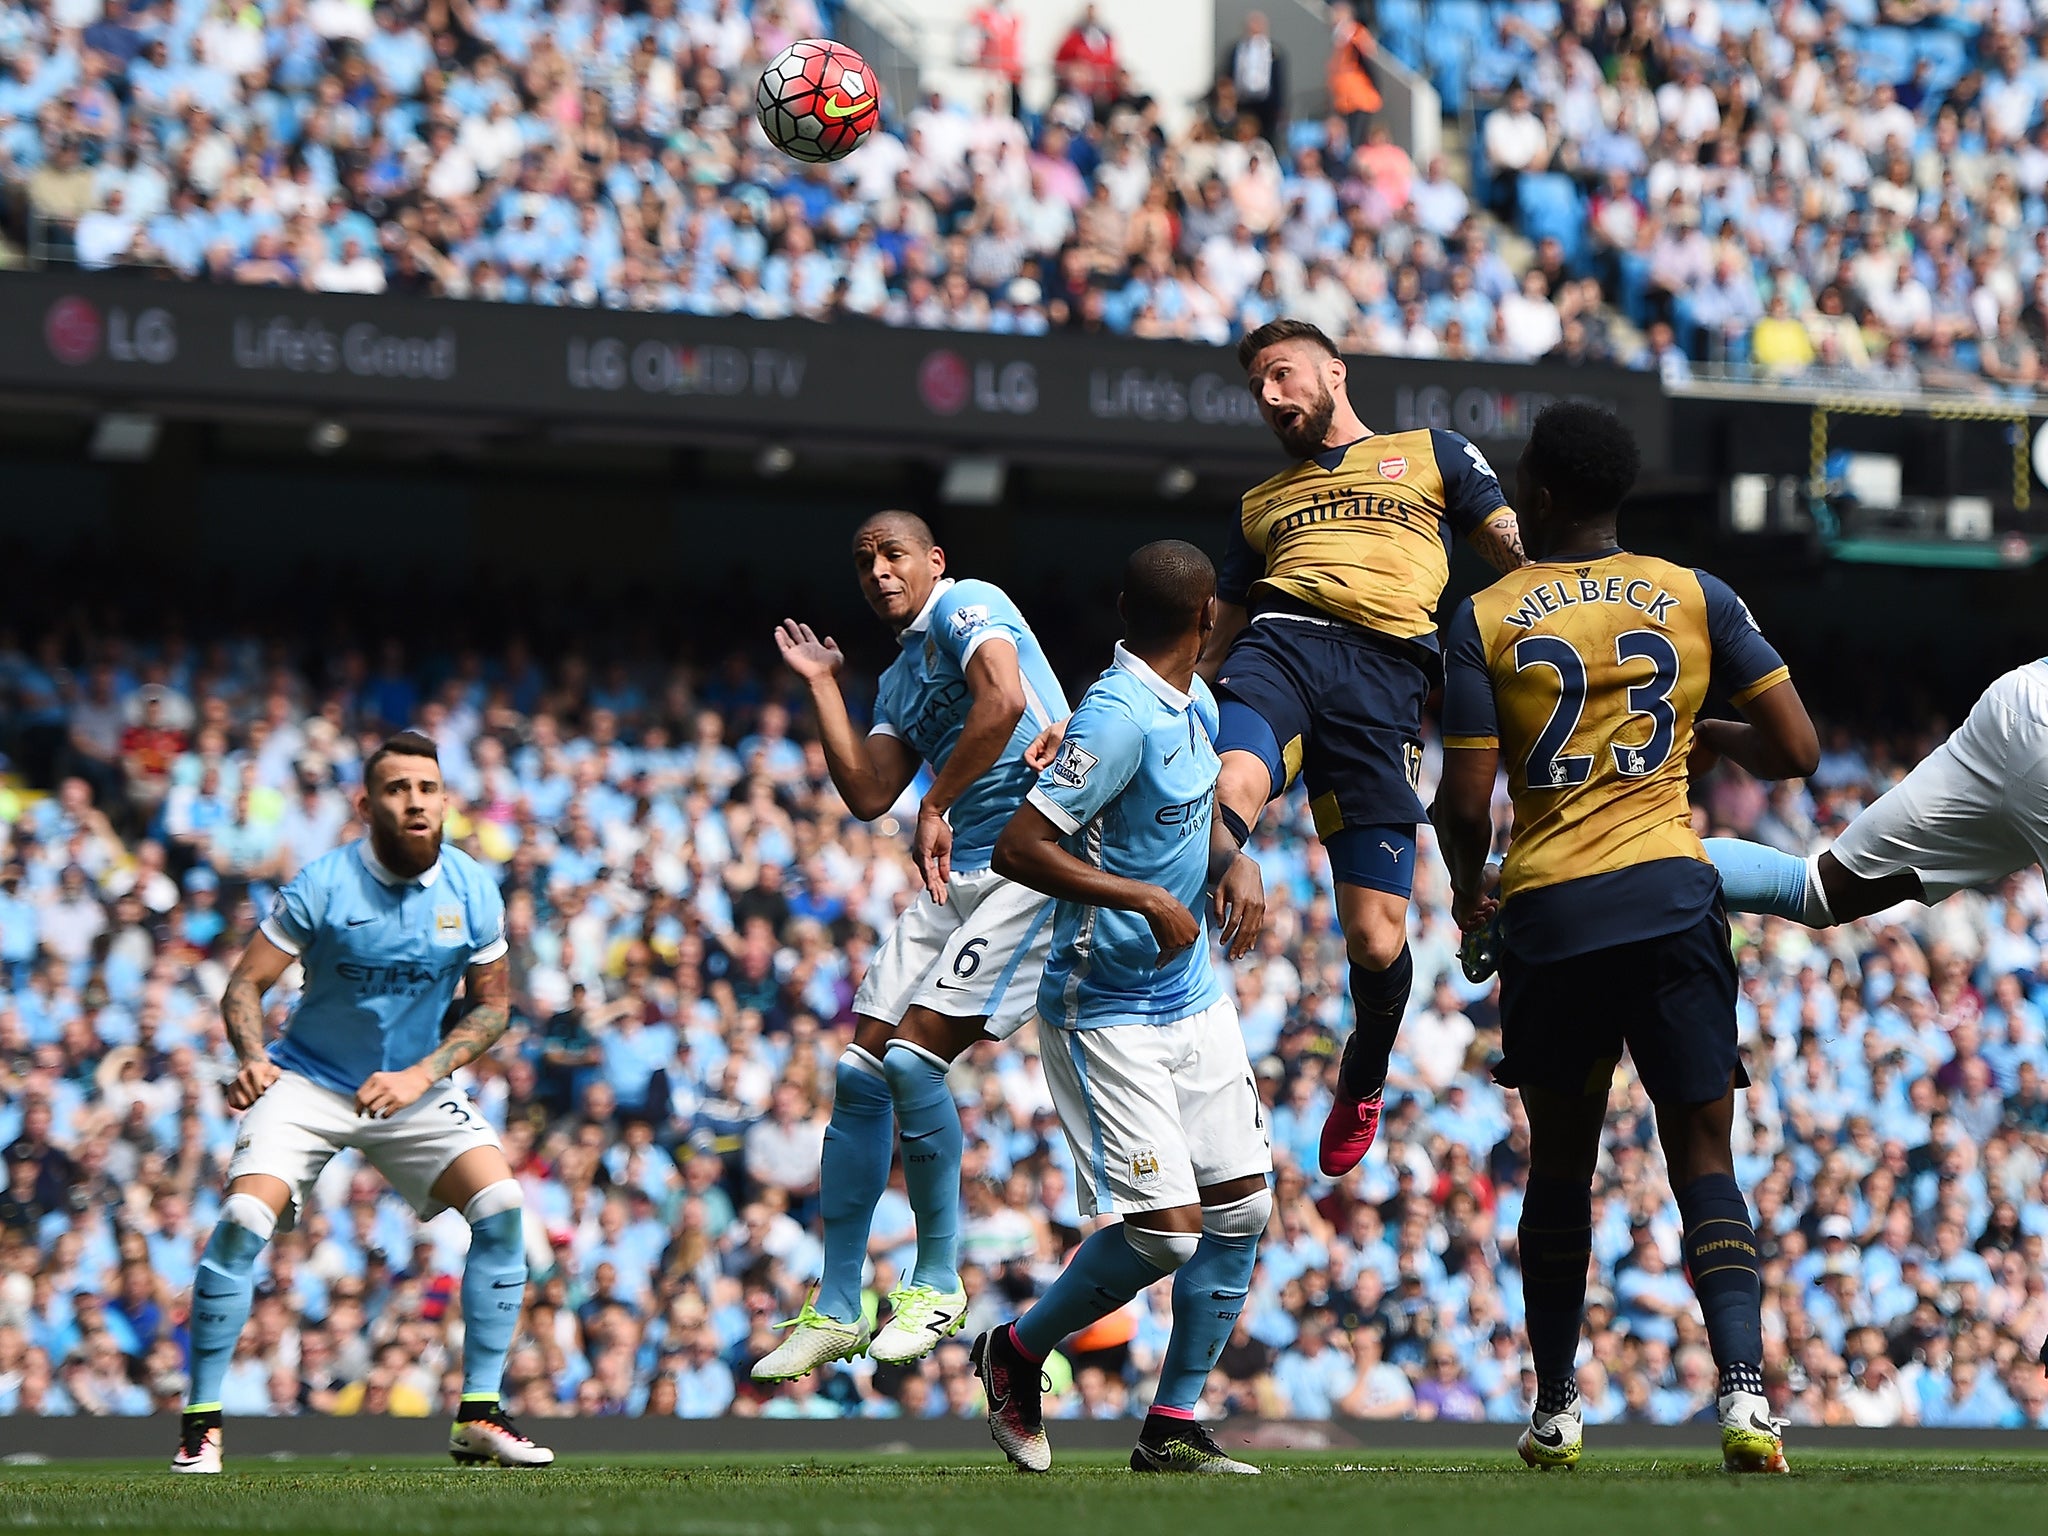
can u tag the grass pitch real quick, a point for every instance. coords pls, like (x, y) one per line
(1413, 1495)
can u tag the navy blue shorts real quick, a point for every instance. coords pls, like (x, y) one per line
(1344, 711)
(1669, 1000)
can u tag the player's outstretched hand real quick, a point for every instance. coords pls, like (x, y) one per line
(1045, 746)
(252, 1082)
(1240, 906)
(384, 1094)
(807, 655)
(933, 850)
(1174, 927)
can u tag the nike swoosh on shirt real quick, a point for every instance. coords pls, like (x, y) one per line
(357, 922)
(506, 1285)
(1173, 754)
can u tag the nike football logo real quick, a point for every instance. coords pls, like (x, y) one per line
(506, 1285)
(950, 986)
(357, 922)
(833, 107)
(1549, 1435)
(1173, 754)
(1396, 852)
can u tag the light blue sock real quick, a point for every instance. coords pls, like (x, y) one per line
(1759, 879)
(929, 1123)
(852, 1178)
(223, 1290)
(1104, 1273)
(493, 1288)
(1208, 1295)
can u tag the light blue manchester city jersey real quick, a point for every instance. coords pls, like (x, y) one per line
(923, 699)
(381, 955)
(1132, 789)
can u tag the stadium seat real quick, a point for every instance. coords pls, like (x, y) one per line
(1740, 18)
(1548, 206)
(1948, 52)
(1884, 55)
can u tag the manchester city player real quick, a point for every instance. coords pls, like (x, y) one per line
(967, 694)
(1144, 1057)
(1584, 673)
(383, 929)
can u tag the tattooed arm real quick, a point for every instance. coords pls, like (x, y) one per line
(241, 1011)
(489, 991)
(1499, 542)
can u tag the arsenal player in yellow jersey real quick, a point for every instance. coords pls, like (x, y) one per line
(1584, 675)
(1324, 650)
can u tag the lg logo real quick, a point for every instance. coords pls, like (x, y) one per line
(76, 334)
(948, 384)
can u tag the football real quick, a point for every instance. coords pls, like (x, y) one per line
(817, 101)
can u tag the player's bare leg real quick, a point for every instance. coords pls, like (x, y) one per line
(223, 1290)
(1375, 927)
(480, 1185)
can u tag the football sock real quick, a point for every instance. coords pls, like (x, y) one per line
(1104, 1273)
(1208, 1295)
(223, 1290)
(1555, 1394)
(1721, 1260)
(851, 1178)
(1759, 879)
(493, 1286)
(931, 1159)
(1742, 1378)
(1556, 1237)
(1379, 999)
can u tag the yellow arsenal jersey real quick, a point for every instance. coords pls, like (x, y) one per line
(1362, 533)
(1588, 675)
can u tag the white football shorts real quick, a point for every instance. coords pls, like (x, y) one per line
(1975, 809)
(978, 954)
(292, 1131)
(1154, 1113)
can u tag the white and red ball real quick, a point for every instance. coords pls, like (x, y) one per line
(818, 100)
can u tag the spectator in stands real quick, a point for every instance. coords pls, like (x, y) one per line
(1256, 68)
(1353, 96)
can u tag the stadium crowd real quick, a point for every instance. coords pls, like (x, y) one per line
(690, 908)
(1850, 191)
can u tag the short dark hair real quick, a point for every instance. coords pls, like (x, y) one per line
(916, 528)
(1584, 455)
(1273, 332)
(404, 744)
(1165, 586)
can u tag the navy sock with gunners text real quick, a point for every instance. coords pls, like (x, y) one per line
(1722, 1260)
